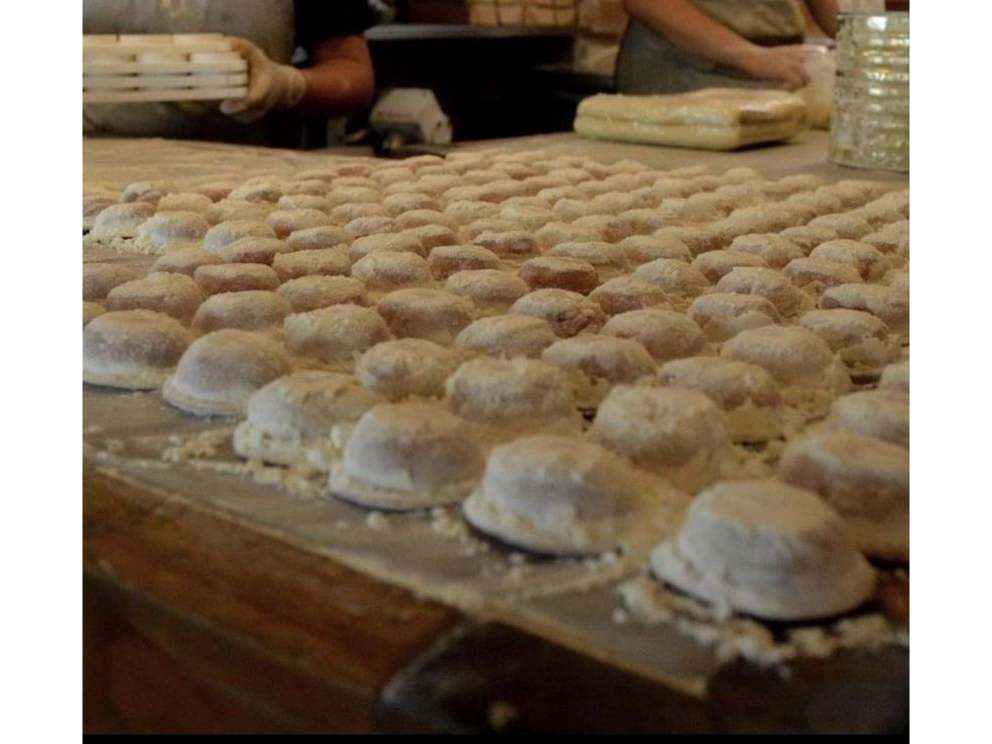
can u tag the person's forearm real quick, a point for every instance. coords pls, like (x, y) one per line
(825, 14)
(341, 81)
(690, 29)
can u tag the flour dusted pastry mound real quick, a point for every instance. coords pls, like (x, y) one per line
(508, 244)
(608, 259)
(171, 294)
(561, 495)
(490, 290)
(219, 372)
(885, 303)
(232, 230)
(235, 277)
(386, 271)
(294, 420)
(867, 260)
(859, 338)
(335, 335)
(312, 262)
(506, 398)
(432, 314)
(385, 243)
(132, 349)
(287, 221)
(100, 278)
(466, 211)
(569, 313)
(258, 190)
(420, 217)
(492, 226)
(766, 283)
(677, 278)
(626, 293)
(880, 414)
(596, 363)
(166, 230)
(185, 260)
(714, 265)
(722, 315)
(807, 238)
(766, 549)
(895, 377)
(845, 225)
(748, 396)
(407, 368)
(802, 363)
(431, 236)
(665, 334)
(675, 432)
(314, 292)
(698, 238)
(550, 272)
(228, 210)
(253, 250)
(404, 456)
(303, 201)
(506, 336)
(865, 480)
(563, 232)
(445, 260)
(92, 310)
(120, 221)
(316, 238)
(252, 310)
(775, 250)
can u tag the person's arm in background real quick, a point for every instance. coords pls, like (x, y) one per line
(690, 29)
(824, 12)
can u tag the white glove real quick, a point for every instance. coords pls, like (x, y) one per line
(271, 86)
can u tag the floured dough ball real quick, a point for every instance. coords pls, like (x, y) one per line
(607, 259)
(229, 210)
(895, 378)
(316, 238)
(885, 303)
(765, 549)
(386, 271)
(144, 191)
(253, 250)
(549, 272)
(562, 232)
(303, 201)
(171, 294)
(714, 265)
(490, 290)
(387, 176)
(342, 214)
(865, 480)
(859, 338)
(235, 277)
(748, 396)
(446, 260)
(100, 278)
(559, 495)
(219, 372)
(766, 283)
(252, 310)
(775, 250)
(722, 315)
(870, 264)
(421, 217)
(185, 261)
(121, 220)
(666, 334)
(507, 398)
(506, 336)
(228, 232)
(697, 238)
(433, 314)
(845, 225)
(641, 249)
(404, 456)
(371, 225)
(132, 349)
(92, 310)
(528, 216)
(316, 262)
(431, 236)
(489, 225)
(509, 244)
(810, 374)
(314, 292)
(352, 194)
(807, 238)
(464, 212)
(676, 278)
(167, 230)
(407, 368)
(675, 432)
(894, 246)
(390, 243)
(880, 414)
(93, 204)
(335, 335)
(258, 190)
(596, 363)
(568, 313)
(626, 293)
(294, 420)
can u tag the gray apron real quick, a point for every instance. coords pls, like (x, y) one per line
(648, 64)
(268, 23)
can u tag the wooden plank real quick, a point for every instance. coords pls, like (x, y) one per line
(231, 613)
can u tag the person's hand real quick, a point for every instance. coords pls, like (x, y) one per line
(271, 86)
(785, 66)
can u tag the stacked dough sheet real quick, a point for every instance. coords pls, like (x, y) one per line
(708, 119)
(706, 371)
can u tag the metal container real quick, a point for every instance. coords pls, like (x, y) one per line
(870, 125)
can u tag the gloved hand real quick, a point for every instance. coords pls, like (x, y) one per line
(784, 66)
(271, 86)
